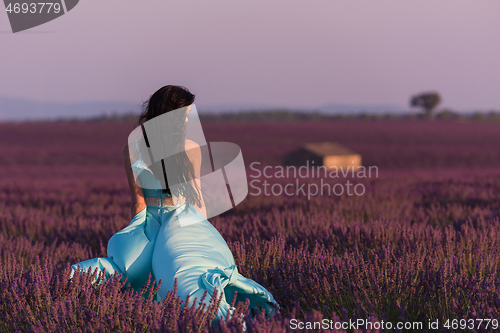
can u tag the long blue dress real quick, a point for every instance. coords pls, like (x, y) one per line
(196, 254)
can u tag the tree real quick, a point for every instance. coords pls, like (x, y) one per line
(428, 101)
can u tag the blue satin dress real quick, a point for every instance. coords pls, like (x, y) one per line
(196, 254)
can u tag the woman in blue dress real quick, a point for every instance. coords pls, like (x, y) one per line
(158, 240)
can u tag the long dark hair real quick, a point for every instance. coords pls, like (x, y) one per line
(165, 99)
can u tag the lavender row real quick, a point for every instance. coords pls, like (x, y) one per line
(420, 286)
(417, 246)
(389, 143)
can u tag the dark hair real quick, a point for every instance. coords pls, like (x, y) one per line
(165, 99)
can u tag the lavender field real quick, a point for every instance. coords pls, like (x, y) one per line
(422, 244)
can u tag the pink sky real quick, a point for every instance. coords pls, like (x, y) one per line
(278, 52)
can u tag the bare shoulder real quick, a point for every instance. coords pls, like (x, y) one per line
(192, 148)
(194, 152)
(125, 153)
(190, 144)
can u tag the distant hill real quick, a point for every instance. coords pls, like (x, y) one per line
(372, 109)
(326, 108)
(12, 109)
(21, 109)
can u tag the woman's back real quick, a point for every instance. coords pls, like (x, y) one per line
(146, 183)
(178, 242)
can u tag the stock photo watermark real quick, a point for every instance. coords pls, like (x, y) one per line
(299, 173)
(26, 14)
(431, 324)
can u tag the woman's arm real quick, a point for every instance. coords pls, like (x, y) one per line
(138, 202)
(194, 153)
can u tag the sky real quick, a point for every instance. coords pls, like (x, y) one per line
(281, 53)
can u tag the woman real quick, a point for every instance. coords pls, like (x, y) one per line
(163, 196)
